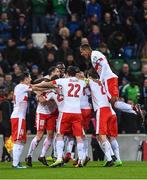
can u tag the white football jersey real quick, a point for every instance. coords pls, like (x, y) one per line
(98, 94)
(85, 104)
(55, 100)
(42, 109)
(72, 89)
(20, 101)
(101, 65)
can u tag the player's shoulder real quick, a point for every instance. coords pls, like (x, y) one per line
(95, 55)
(22, 87)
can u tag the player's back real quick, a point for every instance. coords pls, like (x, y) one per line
(85, 104)
(54, 100)
(101, 65)
(20, 100)
(72, 89)
(98, 94)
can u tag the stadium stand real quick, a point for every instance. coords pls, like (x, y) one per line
(62, 25)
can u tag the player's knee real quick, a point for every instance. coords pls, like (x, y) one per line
(50, 134)
(39, 135)
(79, 139)
(59, 137)
(102, 138)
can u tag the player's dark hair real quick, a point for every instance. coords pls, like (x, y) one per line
(85, 46)
(51, 69)
(60, 63)
(92, 73)
(71, 71)
(23, 76)
(54, 77)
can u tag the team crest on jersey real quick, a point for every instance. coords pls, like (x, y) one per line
(95, 58)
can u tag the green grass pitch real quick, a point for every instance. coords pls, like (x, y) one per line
(129, 170)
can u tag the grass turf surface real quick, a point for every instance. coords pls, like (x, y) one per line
(129, 170)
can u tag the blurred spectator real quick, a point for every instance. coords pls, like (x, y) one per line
(93, 8)
(50, 47)
(60, 10)
(58, 26)
(130, 123)
(17, 72)
(131, 92)
(39, 10)
(143, 75)
(4, 64)
(70, 61)
(122, 85)
(12, 53)
(84, 40)
(93, 20)
(134, 35)
(116, 41)
(31, 111)
(63, 51)
(5, 27)
(141, 17)
(2, 45)
(17, 7)
(76, 7)
(143, 97)
(6, 107)
(8, 83)
(2, 82)
(73, 24)
(105, 50)
(76, 39)
(31, 55)
(34, 72)
(51, 61)
(63, 34)
(107, 27)
(21, 31)
(124, 73)
(94, 37)
(4, 8)
(128, 9)
(107, 5)
(1, 71)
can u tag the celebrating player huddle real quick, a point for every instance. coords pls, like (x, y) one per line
(64, 109)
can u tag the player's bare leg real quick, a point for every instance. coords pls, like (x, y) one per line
(34, 143)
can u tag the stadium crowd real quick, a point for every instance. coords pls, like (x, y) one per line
(117, 28)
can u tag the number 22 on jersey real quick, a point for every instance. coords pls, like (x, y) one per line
(73, 90)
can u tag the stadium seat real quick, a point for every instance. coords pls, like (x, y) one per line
(116, 64)
(128, 52)
(39, 39)
(135, 67)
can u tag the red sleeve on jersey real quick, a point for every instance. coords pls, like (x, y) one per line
(54, 82)
(97, 63)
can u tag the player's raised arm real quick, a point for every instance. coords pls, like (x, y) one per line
(44, 85)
